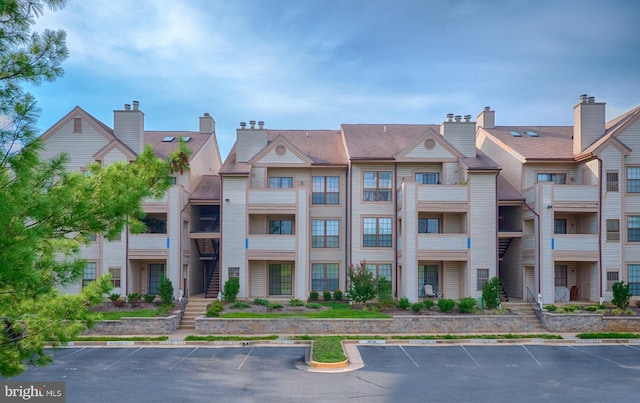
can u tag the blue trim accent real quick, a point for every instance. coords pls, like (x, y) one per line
(246, 243)
(468, 243)
(553, 244)
(168, 242)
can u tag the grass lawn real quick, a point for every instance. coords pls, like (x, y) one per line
(338, 310)
(141, 313)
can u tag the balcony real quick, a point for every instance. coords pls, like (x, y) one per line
(205, 219)
(575, 197)
(271, 246)
(148, 241)
(577, 247)
(271, 198)
(443, 246)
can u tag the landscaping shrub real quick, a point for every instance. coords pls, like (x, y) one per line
(491, 293)
(571, 308)
(337, 295)
(231, 289)
(551, 308)
(114, 297)
(313, 296)
(362, 285)
(165, 289)
(621, 295)
(239, 305)
(404, 303)
(295, 302)
(134, 299)
(326, 295)
(261, 301)
(314, 305)
(594, 308)
(274, 305)
(428, 304)
(446, 305)
(467, 305)
(416, 307)
(120, 302)
(148, 298)
(214, 309)
(385, 297)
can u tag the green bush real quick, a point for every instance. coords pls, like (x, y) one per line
(148, 298)
(467, 305)
(337, 295)
(274, 305)
(231, 289)
(261, 301)
(404, 303)
(165, 289)
(134, 299)
(385, 296)
(239, 305)
(571, 308)
(114, 297)
(594, 308)
(214, 309)
(416, 307)
(491, 293)
(362, 285)
(326, 295)
(314, 305)
(313, 295)
(428, 304)
(621, 295)
(446, 305)
(295, 302)
(551, 308)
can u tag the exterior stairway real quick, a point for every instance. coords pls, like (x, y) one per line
(520, 307)
(196, 307)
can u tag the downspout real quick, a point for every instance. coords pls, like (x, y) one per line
(600, 229)
(126, 261)
(348, 212)
(395, 225)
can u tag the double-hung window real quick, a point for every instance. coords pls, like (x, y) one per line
(428, 178)
(324, 233)
(559, 179)
(634, 278)
(613, 230)
(380, 270)
(377, 186)
(482, 278)
(280, 227)
(612, 181)
(325, 277)
(633, 228)
(281, 182)
(325, 190)
(633, 179)
(560, 226)
(377, 232)
(428, 225)
(90, 273)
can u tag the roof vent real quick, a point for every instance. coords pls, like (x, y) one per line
(458, 118)
(252, 123)
(467, 118)
(449, 117)
(260, 124)
(168, 139)
(243, 125)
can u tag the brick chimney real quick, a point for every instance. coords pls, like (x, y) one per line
(460, 134)
(588, 122)
(128, 126)
(250, 141)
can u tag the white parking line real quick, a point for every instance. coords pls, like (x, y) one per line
(404, 351)
(70, 354)
(534, 358)
(126, 356)
(470, 356)
(596, 355)
(633, 347)
(183, 358)
(245, 358)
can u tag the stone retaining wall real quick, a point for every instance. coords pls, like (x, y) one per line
(579, 322)
(397, 325)
(137, 326)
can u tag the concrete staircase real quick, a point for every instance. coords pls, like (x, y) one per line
(196, 307)
(533, 324)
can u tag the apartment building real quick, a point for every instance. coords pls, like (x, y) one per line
(575, 228)
(408, 200)
(183, 228)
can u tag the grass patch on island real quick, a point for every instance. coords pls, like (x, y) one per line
(117, 338)
(141, 313)
(229, 338)
(612, 335)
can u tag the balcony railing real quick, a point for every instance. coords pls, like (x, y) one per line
(148, 241)
(445, 242)
(272, 196)
(277, 243)
(575, 193)
(575, 242)
(443, 193)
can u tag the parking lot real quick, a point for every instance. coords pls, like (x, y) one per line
(460, 372)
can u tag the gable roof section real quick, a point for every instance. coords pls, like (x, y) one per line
(163, 149)
(381, 142)
(554, 143)
(76, 112)
(270, 154)
(418, 149)
(506, 192)
(208, 189)
(115, 144)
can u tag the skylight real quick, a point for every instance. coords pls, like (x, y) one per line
(186, 139)
(531, 133)
(168, 139)
(516, 134)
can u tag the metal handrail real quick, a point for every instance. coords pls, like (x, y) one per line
(534, 304)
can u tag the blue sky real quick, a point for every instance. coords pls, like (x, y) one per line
(307, 64)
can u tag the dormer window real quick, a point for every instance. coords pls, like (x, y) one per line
(77, 125)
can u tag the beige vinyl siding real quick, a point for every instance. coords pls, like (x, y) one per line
(612, 252)
(258, 178)
(196, 274)
(206, 161)
(511, 166)
(80, 147)
(483, 228)
(532, 170)
(301, 177)
(631, 138)
(511, 269)
(301, 285)
(452, 280)
(451, 173)
(288, 157)
(233, 247)
(420, 151)
(258, 275)
(113, 156)
(530, 281)
(410, 246)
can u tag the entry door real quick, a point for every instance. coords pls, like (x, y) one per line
(156, 271)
